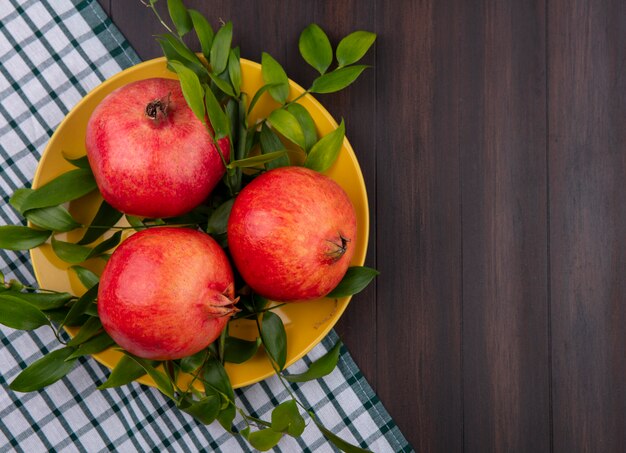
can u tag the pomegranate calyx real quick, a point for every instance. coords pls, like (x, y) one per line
(156, 110)
(221, 305)
(338, 247)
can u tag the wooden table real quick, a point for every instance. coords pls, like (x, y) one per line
(492, 139)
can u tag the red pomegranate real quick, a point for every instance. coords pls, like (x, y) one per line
(166, 293)
(150, 155)
(292, 233)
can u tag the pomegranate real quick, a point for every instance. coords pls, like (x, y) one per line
(291, 233)
(150, 155)
(166, 293)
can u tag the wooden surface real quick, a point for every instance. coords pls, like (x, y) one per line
(492, 139)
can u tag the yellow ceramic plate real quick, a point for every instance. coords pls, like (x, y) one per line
(306, 323)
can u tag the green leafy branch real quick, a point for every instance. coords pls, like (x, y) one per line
(212, 88)
(292, 120)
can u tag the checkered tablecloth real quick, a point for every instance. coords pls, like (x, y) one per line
(52, 53)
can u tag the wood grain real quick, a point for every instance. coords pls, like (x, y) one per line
(419, 223)
(504, 189)
(492, 139)
(587, 165)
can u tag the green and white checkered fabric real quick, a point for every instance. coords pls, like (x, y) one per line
(52, 53)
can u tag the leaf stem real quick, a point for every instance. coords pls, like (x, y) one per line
(237, 408)
(216, 143)
(249, 315)
(280, 376)
(32, 288)
(132, 227)
(247, 417)
(156, 13)
(56, 334)
(297, 98)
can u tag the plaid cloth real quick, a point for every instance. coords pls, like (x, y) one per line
(51, 54)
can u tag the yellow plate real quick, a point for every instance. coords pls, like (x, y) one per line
(306, 323)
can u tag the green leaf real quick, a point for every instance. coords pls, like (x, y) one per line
(234, 70)
(171, 371)
(19, 314)
(226, 417)
(274, 338)
(43, 301)
(21, 237)
(237, 350)
(87, 331)
(216, 379)
(244, 136)
(191, 363)
(55, 218)
(337, 80)
(287, 124)
(192, 89)
(231, 109)
(259, 93)
(287, 419)
(66, 187)
(320, 368)
(86, 277)
(197, 215)
(57, 314)
(92, 310)
(218, 118)
(107, 216)
(315, 48)
(203, 30)
(219, 219)
(74, 253)
(45, 371)
(95, 345)
(324, 153)
(274, 75)
(256, 160)
(174, 50)
(80, 162)
(338, 441)
(125, 372)
(18, 198)
(355, 281)
(135, 222)
(205, 410)
(271, 143)
(220, 48)
(252, 139)
(264, 439)
(306, 123)
(80, 306)
(354, 46)
(160, 379)
(179, 16)
(70, 253)
(223, 85)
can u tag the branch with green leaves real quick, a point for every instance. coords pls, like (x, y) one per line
(211, 85)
